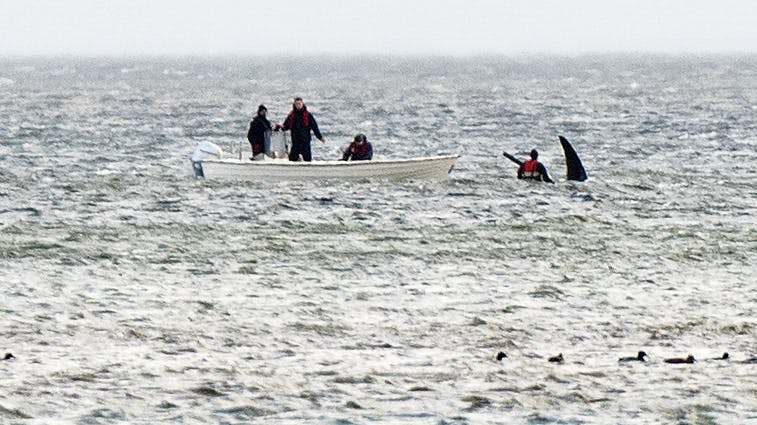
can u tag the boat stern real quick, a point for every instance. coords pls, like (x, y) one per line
(203, 151)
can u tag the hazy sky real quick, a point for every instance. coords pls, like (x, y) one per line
(459, 27)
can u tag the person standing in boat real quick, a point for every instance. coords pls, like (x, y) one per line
(259, 132)
(300, 122)
(533, 169)
(359, 150)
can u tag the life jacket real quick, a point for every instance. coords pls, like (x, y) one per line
(361, 152)
(531, 169)
(289, 122)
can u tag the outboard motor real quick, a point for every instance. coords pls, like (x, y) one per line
(203, 151)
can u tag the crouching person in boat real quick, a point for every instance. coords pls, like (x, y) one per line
(533, 169)
(359, 150)
(259, 133)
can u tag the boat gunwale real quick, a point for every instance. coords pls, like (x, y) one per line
(330, 163)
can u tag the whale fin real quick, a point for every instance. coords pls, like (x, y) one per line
(574, 167)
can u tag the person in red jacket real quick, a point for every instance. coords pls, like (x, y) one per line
(533, 169)
(359, 150)
(300, 122)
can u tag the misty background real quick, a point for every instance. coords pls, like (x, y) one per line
(297, 27)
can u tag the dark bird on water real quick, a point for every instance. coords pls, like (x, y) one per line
(725, 356)
(556, 359)
(678, 360)
(640, 357)
(8, 356)
(501, 356)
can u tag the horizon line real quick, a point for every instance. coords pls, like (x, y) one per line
(631, 53)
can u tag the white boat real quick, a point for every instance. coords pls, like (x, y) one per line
(208, 162)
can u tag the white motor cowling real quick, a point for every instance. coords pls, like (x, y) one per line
(206, 150)
(203, 151)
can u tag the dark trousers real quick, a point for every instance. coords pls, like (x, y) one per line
(300, 149)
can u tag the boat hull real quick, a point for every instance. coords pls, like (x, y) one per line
(426, 168)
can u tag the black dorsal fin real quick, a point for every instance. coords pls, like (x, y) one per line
(574, 167)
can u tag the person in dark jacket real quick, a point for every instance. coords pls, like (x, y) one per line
(533, 169)
(359, 150)
(300, 122)
(260, 130)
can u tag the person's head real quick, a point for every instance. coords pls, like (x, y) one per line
(262, 110)
(360, 138)
(534, 154)
(298, 103)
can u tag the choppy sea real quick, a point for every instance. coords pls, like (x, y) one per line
(134, 293)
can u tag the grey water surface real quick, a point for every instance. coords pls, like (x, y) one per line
(133, 293)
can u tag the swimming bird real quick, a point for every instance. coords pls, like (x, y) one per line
(640, 357)
(501, 356)
(725, 356)
(8, 356)
(751, 360)
(678, 360)
(556, 359)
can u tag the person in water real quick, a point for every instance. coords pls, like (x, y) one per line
(260, 130)
(359, 150)
(300, 122)
(533, 169)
